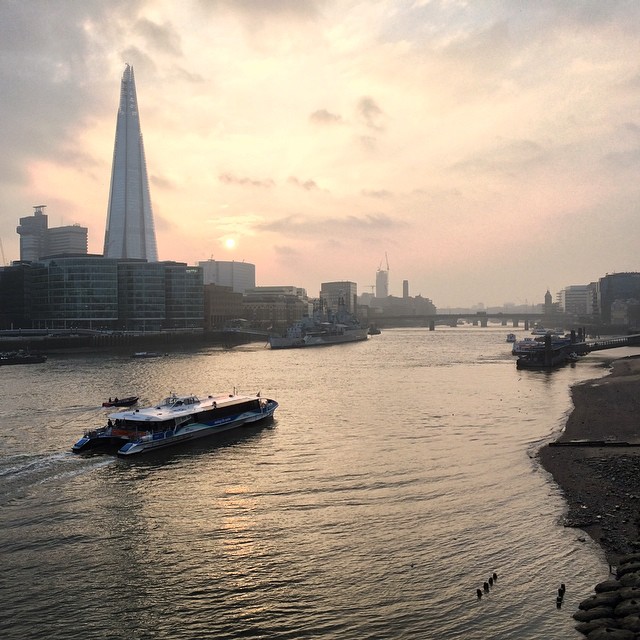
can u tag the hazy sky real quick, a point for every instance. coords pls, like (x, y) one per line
(490, 148)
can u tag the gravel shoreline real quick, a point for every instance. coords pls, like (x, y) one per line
(602, 483)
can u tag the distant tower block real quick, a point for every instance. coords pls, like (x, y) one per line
(382, 280)
(130, 232)
(405, 289)
(33, 234)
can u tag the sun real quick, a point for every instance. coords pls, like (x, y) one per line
(230, 243)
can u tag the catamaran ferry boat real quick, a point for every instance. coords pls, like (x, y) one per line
(177, 418)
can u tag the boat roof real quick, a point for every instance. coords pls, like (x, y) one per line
(175, 405)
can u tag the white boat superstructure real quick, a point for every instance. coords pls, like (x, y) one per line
(177, 418)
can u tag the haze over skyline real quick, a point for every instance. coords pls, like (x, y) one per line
(491, 149)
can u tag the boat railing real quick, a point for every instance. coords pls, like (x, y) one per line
(94, 433)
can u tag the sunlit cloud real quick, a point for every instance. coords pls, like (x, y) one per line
(228, 178)
(307, 185)
(322, 116)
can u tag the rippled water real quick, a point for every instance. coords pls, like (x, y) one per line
(398, 475)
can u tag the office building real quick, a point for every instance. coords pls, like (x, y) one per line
(68, 239)
(37, 240)
(33, 234)
(222, 307)
(130, 230)
(239, 276)
(617, 287)
(15, 296)
(576, 299)
(79, 291)
(382, 283)
(92, 292)
(184, 296)
(335, 294)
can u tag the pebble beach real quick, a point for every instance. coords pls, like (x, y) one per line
(596, 463)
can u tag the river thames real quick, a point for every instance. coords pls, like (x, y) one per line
(397, 476)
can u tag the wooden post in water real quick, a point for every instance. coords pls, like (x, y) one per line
(432, 325)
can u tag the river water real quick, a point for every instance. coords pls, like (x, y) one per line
(398, 475)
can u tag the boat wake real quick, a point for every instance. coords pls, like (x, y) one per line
(19, 473)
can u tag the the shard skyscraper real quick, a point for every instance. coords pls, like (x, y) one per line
(130, 232)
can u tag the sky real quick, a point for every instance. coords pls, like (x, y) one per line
(488, 149)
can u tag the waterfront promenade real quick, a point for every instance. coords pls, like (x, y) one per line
(62, 340)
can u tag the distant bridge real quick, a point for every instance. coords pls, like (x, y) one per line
(451, 319)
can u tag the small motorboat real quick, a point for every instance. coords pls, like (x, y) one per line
(21, 357)
(148, 354)
(121, 402)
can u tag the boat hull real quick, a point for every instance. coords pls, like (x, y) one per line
(124, 402)
(31, 358)
(355, 335)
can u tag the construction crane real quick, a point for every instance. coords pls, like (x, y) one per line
(372, 287)
(4, 262)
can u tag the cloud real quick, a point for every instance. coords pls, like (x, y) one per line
(298, 225)
(140, 61)
(160, 37)
(511, 157)
(162, 183)
(266, 9)
(629, 159)
(286, 250)
(307, 185)
(383, 194)
(228, 178)
(370, 113)
(322, 116)
(368, 143)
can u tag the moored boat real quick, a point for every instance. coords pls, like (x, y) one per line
(321, 330)
(511, 337)
(540, 359)
(523, 347)
(121, 402)
(21, 357)
(148, 354)
(539, 330)
(176, 419)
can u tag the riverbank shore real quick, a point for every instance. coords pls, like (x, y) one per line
(601, 484)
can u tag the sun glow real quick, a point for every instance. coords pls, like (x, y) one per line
(230, 243)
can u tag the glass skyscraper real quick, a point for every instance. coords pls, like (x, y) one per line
(130, 232)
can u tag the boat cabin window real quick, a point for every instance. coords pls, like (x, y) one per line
(175, 401)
